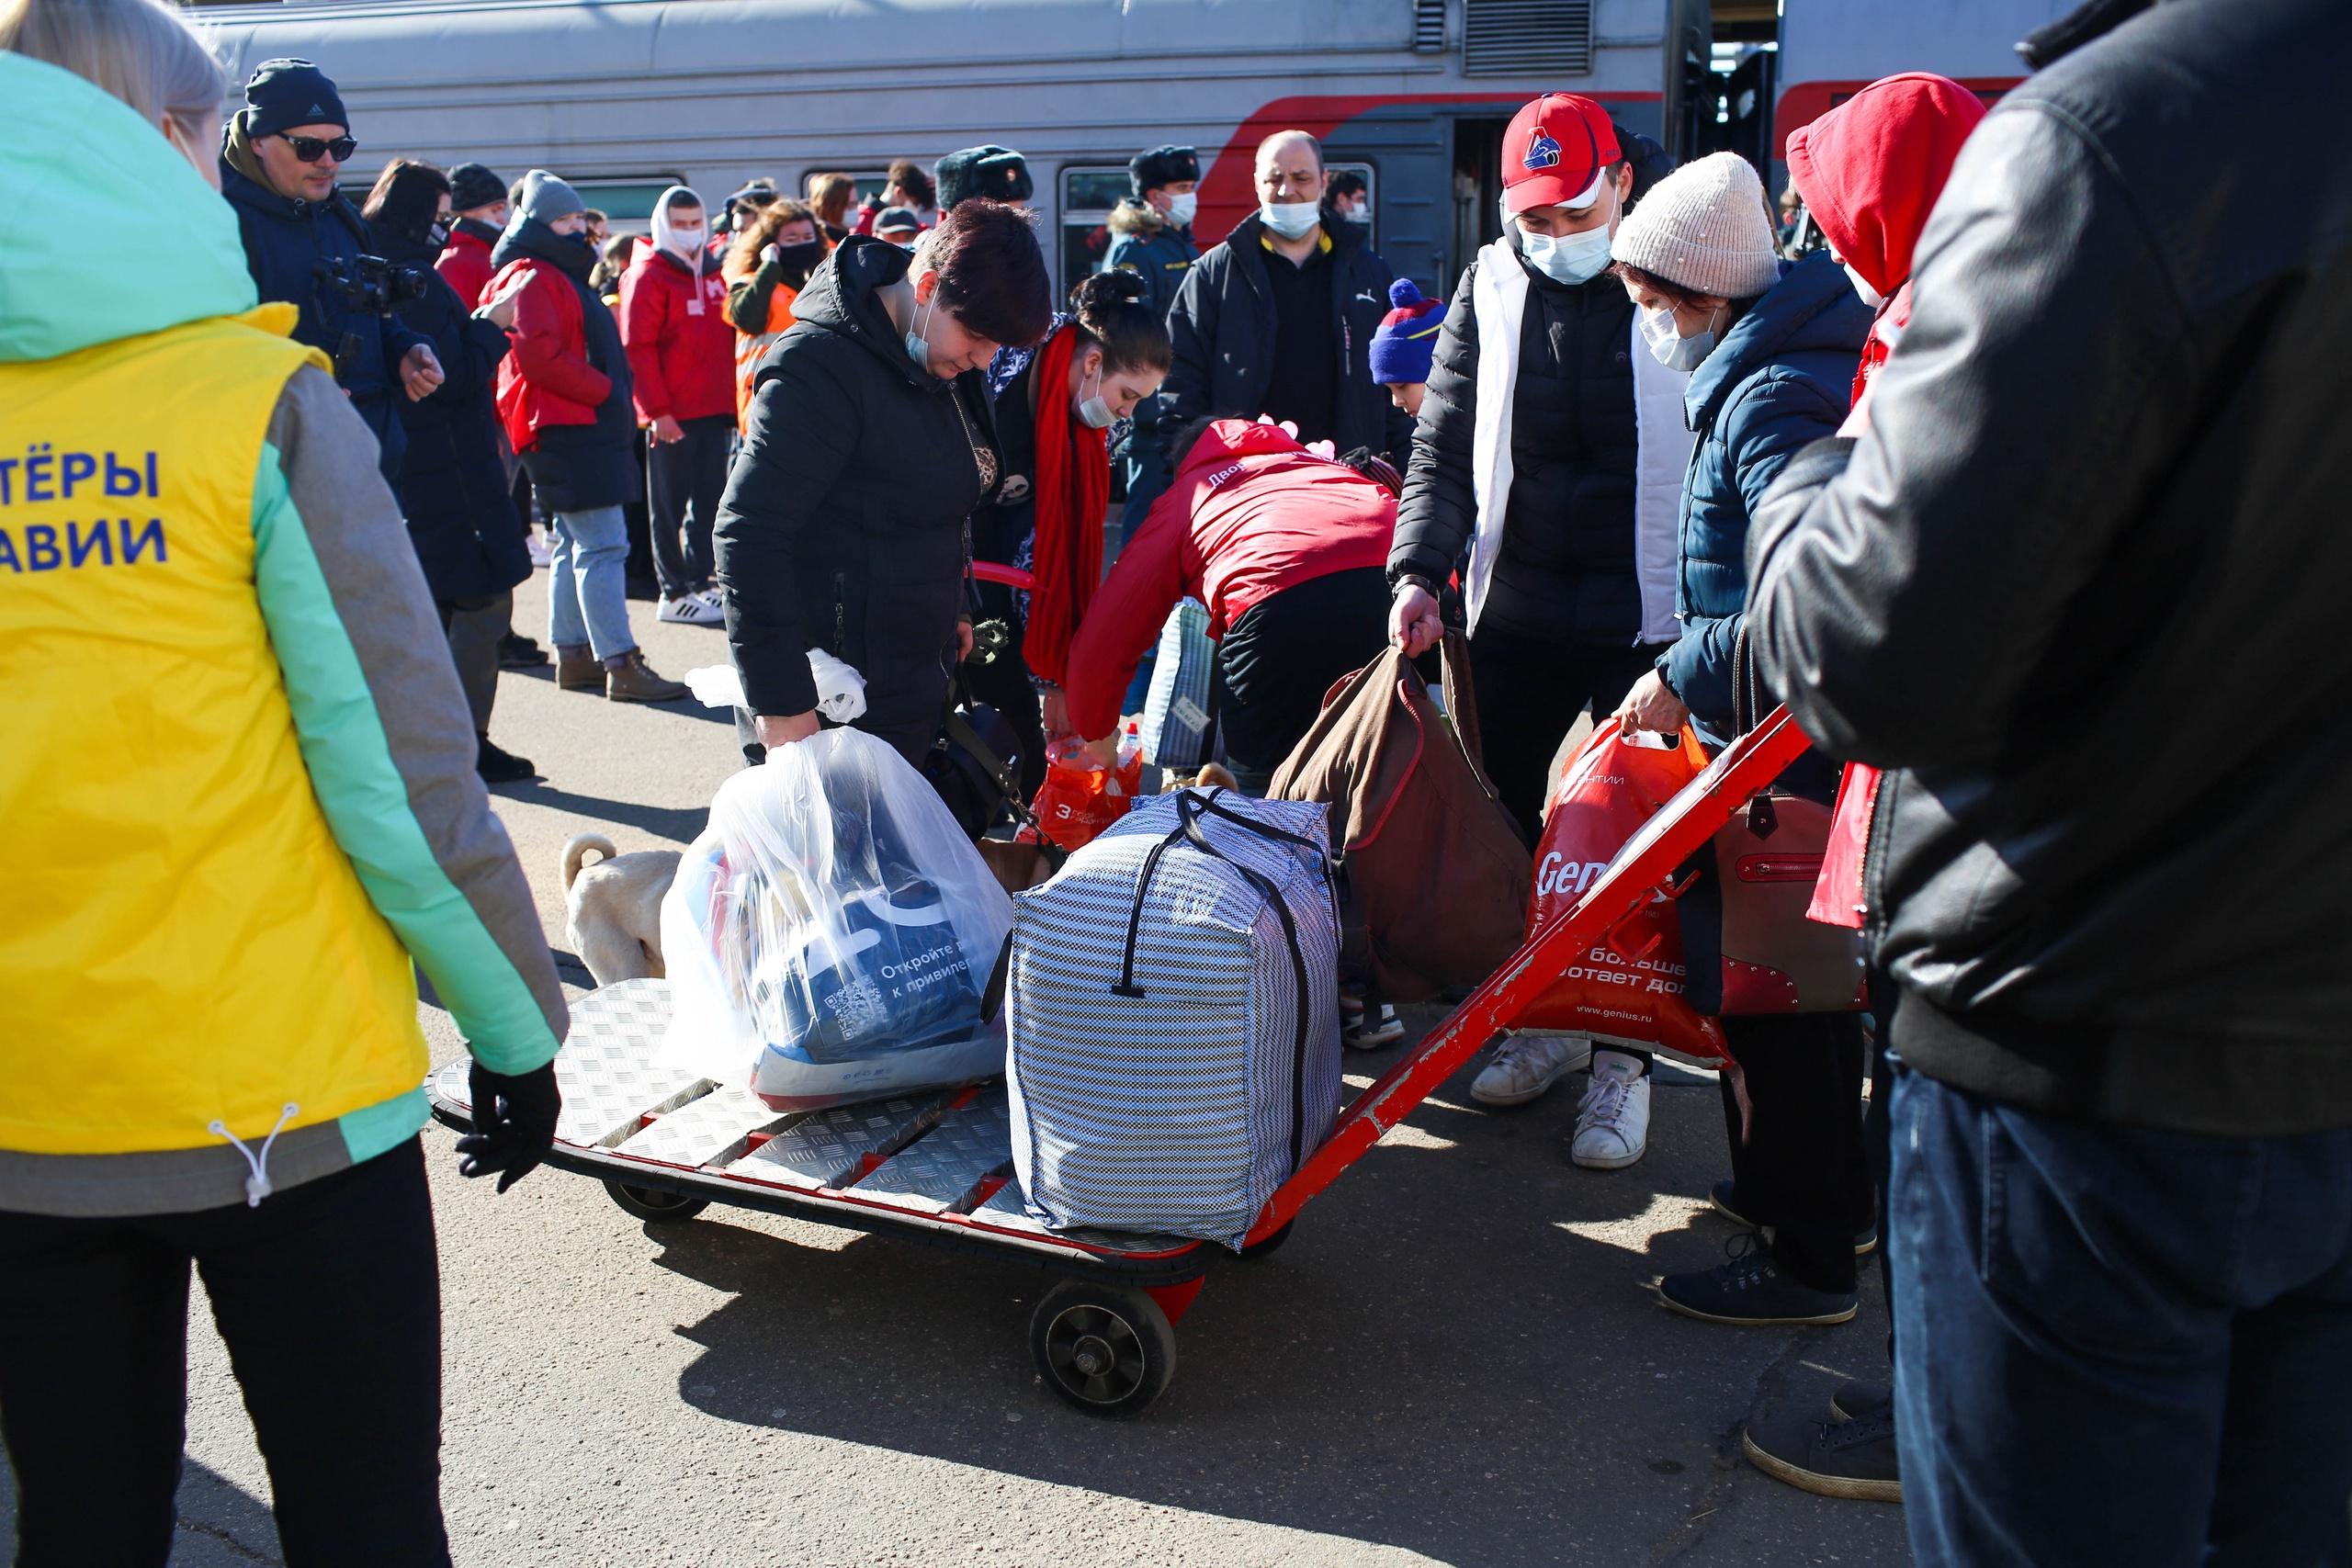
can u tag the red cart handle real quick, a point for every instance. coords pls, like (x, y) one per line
(1010, 576)
(1651, 857)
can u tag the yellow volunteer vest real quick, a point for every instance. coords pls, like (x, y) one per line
(180, 938)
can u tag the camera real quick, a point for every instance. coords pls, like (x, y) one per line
(373, 283)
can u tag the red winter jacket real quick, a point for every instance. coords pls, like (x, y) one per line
(680, 361)
(1869, 172)
(465, 264)
(1250, 514)
(547, 380)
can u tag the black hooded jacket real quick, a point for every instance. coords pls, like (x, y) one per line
(452, 483)
(843, 525)
(1222, 327)
(2080, 588)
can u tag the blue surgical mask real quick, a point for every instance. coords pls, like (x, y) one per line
(1292, 219)
(1669, 347)
(1570, 259)
(917, 345)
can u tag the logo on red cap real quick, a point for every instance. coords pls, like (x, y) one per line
(1543, 152)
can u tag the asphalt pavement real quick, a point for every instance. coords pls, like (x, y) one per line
(1457, 1358)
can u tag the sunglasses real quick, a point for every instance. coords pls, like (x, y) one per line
(310, 149)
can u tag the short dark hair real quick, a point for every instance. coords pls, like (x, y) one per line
(1346, 181)
(1110, 311)
(991, 271)
(915, 180)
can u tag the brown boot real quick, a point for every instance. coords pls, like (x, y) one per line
(635, 681)
(578, 670)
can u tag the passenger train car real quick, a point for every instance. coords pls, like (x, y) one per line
(626, 96)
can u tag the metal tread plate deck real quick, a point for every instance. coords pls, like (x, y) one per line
(922, 1156)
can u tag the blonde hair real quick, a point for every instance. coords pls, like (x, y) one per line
(144, 52)
(829, 196)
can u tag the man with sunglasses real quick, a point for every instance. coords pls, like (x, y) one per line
(279, 159)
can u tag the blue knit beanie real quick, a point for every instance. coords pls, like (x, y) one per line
(1406, 337)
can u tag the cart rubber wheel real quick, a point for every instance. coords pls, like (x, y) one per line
(1258, 1249)
(655, 1205)
(1103, 1350)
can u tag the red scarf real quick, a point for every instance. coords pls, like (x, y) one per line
(1072, 490)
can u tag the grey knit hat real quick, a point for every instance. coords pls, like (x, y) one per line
(1703, 228)
(547, 198)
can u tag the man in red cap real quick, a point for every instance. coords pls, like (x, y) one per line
(1555, 461)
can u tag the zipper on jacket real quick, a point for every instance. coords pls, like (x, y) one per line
(1873, 906)
(841, 615)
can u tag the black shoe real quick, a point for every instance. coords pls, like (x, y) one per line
(1838, 1458)
(497, 765)
(1721, 1197)
(517, 651)
(645, 588)
(1751, 1290)
(1859, 1401)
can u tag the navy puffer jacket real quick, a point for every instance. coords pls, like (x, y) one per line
(1781, 376)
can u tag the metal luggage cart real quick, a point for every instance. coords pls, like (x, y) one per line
(667, 1143)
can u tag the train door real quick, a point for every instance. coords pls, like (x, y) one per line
(1477, 188)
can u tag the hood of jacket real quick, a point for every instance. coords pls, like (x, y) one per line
(1871, 169)
(1230, 440)
(1813, 307)
(244, 184)
(665, 234)
(69, 144)
(1133, 217)
(844, 295)
(528, 238)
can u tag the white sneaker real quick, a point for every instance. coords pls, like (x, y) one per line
(1613, 1117)
(1369, 1031)
(1525, 1065)
(694, 610)
(542, 553)
(717, 600)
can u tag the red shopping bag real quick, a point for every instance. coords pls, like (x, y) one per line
(1837, 896)
(1628, 988)
(1081, 797)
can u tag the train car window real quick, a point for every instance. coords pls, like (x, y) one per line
(1371, 179)
(1089, 193)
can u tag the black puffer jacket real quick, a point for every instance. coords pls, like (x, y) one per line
(843, 524)
(2082, 585)
(452, 483)
(1566, 570)
(1222, 327)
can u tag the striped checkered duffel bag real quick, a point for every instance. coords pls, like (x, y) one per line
(1174, 1016)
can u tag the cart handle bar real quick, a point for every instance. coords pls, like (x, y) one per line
(1010, 576)
(1679, 830)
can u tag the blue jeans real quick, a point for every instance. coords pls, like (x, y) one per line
(588, 582)
(2117, 1345)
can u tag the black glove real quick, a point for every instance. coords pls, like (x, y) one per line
(513, 1123)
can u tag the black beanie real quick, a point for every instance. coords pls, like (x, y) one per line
(997, 172)
(471, 185)
(1162, 166)
(291, 92)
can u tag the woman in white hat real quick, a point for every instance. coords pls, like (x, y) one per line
(1771, 352)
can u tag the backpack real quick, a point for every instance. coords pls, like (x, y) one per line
(1174, 1018)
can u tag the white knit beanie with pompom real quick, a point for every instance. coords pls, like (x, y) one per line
(1703, 228)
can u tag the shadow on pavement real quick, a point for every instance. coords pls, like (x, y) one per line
(677, 824)
(1456, 1354)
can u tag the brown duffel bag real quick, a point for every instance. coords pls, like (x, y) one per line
(1433, 875)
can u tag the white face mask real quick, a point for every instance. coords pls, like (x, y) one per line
(1360, 213)
(1669, 347)
(1291, 220)
(1871, 296)
(1181, 209)
(1094, 411)
(1568, 258)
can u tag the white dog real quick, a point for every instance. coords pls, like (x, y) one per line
(613, 908)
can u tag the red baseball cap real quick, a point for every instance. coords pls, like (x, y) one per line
(1554, 151)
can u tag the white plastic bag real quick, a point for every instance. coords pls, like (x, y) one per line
(830, 933)
(841, 690)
